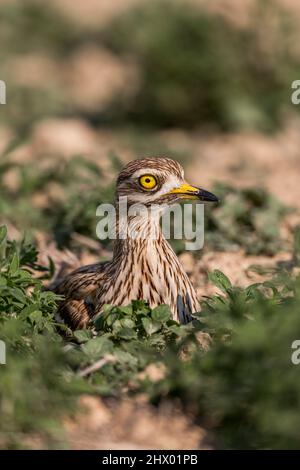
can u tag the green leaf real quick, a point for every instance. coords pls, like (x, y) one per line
(117, 325)
(3, 233)
(29, 309)
(24, 275)
(220, 280)
(127, 309)
(140, 308)
(107, 308)
(97, 347)
(124, 357)
(19, 295)
(3, 237)
(127, 333)
(111, 318)
(161, 313)
(150, 326)
(14, 264)
(36, 316)
(83, 336)
(177, 330)
(127, 323)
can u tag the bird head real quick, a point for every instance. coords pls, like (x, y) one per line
(158, 181)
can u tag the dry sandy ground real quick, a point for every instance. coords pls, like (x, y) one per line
(133, 424)
(128, 424)
(92, 12)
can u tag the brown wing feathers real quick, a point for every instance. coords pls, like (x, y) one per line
(76, 287)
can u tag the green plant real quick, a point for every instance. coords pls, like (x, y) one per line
(245, 388)
(248, 218)
(131, 338)
(41, 379)
(33, 390)
(62, 214)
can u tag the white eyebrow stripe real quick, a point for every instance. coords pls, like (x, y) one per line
(172, 179)
(146, 171)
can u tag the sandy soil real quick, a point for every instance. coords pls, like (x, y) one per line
(133, 424)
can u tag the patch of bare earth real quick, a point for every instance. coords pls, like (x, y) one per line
(91, 13)
(237, 266)
(94, 12)
(94, 77)
(132, 424)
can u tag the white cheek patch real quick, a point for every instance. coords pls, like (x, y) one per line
(173, 182)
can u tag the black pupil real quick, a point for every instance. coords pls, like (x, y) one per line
(148, 180)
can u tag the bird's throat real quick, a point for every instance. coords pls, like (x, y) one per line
(135, 233)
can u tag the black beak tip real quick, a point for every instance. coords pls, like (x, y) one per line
(207, 196)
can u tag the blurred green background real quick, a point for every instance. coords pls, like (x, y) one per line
(154, 64)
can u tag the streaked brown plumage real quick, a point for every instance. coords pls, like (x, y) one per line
(142, 267)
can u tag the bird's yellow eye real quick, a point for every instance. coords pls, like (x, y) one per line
(148, 181)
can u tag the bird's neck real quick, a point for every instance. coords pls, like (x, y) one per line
(151, 269)
(136, 233)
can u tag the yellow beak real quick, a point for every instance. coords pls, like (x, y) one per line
(191, 192)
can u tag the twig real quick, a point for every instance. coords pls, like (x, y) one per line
(96, 366)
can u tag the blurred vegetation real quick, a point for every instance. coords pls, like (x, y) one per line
(33, 391)
(200, 69)
(248, 218)
(72, 190)
(196, 69)
(245, 405)
(245, 387)
(42, 378)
